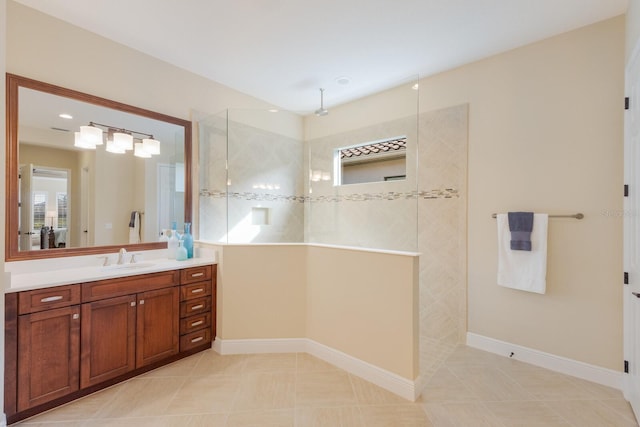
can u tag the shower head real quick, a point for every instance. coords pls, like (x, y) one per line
(321, 111)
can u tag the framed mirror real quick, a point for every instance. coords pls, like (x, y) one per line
(66, 196)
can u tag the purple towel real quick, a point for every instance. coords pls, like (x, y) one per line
(132, 222)
(520, 225)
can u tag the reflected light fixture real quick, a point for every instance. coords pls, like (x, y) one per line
(140, 151)
(151, 146)
(123, 140)
(321, 111)
(91, 134)
(80, 142)
(118, 140)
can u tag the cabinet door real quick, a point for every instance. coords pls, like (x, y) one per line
(108, 339)
(48, 355)
(157, 325)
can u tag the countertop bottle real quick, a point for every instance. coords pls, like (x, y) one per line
(188, 239)
(172, 244)
(181, 252)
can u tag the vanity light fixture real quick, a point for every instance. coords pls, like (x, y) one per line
(140, 151)
(151, 146)
(80, 142)
(123, 140)
(118, 140)
(91, 134)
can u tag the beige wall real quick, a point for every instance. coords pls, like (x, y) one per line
(545, 134)
(365, 304)
(262, 292)
(361, 303)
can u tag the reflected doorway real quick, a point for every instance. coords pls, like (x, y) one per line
(44, 207)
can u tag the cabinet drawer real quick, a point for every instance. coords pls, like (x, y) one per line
(194, 323)
(195, 306)
(195, 339)
(195, 290)
(109, 288)
(196, 274)
(45, 299)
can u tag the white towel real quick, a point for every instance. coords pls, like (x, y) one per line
(524, 270)
(134, 232)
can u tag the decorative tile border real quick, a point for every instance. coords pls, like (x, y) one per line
(445, 193)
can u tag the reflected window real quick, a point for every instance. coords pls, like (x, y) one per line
(39, 209)
(374, 161)
(61, 208)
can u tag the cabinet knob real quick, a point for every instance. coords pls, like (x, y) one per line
(75, 316)
(133, 303)
(141, 301)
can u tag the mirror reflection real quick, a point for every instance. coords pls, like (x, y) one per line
(125, 187)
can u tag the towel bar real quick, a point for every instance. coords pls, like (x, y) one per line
(576, 216)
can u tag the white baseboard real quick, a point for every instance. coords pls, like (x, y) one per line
(3, 420)
(381, 377)
(549, 361)
(394, 383)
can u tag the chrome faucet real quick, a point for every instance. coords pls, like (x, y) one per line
(121, 253)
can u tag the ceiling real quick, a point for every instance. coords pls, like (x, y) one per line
(283, 51)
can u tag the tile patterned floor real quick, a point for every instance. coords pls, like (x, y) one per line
(472, 388)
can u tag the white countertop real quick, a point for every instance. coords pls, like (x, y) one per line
(23, 281)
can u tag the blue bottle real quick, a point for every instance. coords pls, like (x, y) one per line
(188, 239)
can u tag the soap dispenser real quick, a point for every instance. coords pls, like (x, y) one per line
(172, 244)
(181, 252)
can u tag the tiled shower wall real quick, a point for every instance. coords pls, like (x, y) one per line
(425, 213)
(442, 234)
(258, 198)
(380, 215)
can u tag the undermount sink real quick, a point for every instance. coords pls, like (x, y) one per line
(129, 266)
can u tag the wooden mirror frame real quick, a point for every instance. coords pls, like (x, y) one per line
(13, 83)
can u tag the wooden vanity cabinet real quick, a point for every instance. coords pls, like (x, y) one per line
(48, 353)
(197, 292)
(108, 339)
(123, 332)
(67, 341)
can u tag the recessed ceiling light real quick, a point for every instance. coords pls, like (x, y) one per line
(415, 86)
(65, 116)
(343, 81)
(273, 110)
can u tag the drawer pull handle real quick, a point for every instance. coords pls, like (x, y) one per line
(197, 274)
(197, 339)
(198, 323)
(197, 291)
(197, 307)
(51, 299)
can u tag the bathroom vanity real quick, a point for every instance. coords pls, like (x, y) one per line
(65, 341)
